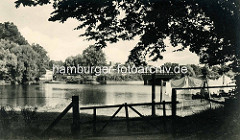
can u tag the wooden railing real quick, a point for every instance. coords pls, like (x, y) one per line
(76, 118)
(126, 106)
(75, 113)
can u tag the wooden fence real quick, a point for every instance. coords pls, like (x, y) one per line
(126, 107)
(76, 117)
(75, 127)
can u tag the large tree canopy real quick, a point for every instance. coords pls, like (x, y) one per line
(20, 62)
(208, 28)
(9, 31)
(93, 57)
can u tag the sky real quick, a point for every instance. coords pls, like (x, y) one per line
(61, 41)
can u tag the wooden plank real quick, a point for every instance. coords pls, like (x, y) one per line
(97, 107)
(94, 120)
(174, 111)
(114, 106)
(161, 90)
(164, 109)
(205, 87)
(111, 118)
(156, 103)
(153, 95)
(174, 103)
(76, 115)
(57, 119)
(164, 117)
(127, 117)
(158, 76)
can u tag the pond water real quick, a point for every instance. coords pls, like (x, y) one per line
(55, 97)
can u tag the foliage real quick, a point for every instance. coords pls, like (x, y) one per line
(29, 114)
(93, 57)
(4, 117)
(196, 69)
(193, 70)
(125, 77)
(53, 62)
(19, 61)
(209, 28)
(26, 66)
(9, 31)
(74, 61)
(42, 63)
(8, 62)
(90, 57)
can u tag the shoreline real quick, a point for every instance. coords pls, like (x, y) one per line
(109, 82)
(216, 122)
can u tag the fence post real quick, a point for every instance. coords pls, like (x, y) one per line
(127, 117)
(174, 102)
(161, 90)
(164, 117)
(59, 117)
(94, 120)
(164, 109)
(174, 109)
(76, 116)
(153, 95)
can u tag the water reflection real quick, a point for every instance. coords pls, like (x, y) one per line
(55, 97)
(21, 96)
(89, 95)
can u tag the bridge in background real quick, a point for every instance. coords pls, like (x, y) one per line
(159, 78)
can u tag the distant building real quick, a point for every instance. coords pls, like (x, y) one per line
(48, 76)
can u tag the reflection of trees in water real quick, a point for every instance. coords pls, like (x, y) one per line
(19, 95)
(89, 95)
(122, 97)
(126, 94)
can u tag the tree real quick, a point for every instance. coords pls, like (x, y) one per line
(9, 31)
(93, 57)
(196, 69)
(201, 24)
(90, 57)
(27, 68)
(74, 61)
(42, 59)
(8, 62)
(215, 72)
(69, 61)
(57, 63)
(3, 69)
(78, 60)
(210, 29)
(19, 61)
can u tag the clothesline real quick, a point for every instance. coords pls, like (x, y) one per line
(188, 81)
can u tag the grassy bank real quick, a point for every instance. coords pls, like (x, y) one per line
(211, 124)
